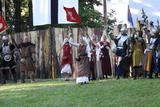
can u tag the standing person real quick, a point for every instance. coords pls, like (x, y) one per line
(105, 58)
(96, 65)
(93, 67)
(138, 55)
(122, 59)
(7, 60)
(27, 59)
(112, 52)
(82, 62)
(148, 57)
(66, 64)
(149, 52)
(156, 55)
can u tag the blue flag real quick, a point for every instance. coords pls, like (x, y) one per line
(130, 16)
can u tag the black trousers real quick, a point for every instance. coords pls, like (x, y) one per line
(5, 74)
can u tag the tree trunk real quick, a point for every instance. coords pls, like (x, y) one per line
(17, 4)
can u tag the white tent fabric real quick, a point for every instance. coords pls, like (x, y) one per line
(41, 12)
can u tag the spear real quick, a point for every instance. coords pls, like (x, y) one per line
(158, 23)
(145, 17)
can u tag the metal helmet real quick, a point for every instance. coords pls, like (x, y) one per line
(5, 38)
(123, 30)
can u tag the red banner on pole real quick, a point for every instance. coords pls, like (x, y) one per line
(72, 15)
(3, 25)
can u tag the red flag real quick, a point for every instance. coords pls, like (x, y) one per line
(3, 25)
(72, 15)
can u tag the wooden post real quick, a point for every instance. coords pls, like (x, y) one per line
(50, 56)
(54, 59)
(105, 11)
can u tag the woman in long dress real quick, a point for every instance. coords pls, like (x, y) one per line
(105, 58)
(82, 62)
(66, 63)
(95, 63)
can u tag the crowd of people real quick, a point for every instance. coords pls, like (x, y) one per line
(135, 55)
(10, 54)
(113, 56)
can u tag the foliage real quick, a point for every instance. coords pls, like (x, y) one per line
(104, 93)
(18, 15)
(89, 16)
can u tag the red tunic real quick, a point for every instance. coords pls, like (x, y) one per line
(67, 56)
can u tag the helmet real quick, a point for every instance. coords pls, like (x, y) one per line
(5, 38)
(123, 30)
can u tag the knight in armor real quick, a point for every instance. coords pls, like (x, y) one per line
(149, 56)
(122, 61)
(138, 48)
(7, 60)
(27, 59)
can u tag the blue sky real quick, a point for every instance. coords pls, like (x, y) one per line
(151, 7)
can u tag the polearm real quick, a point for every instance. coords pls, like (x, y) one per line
(157, 23)
(15, 44)
(145, 17)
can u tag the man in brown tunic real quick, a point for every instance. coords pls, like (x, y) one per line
(27, 61)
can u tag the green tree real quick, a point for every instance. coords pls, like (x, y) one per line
(18, 15)
(89, 16)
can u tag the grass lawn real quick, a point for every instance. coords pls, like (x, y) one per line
(103, 93)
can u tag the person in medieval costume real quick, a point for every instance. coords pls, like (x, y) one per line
(112, 52)
(148, 56)
(66, 63)
(138, 53)
(27, 59)
(156, 56)
(95, 64)
(82, 61)
(7, 60)
(93, 68)
(122, 60)
(105, 58)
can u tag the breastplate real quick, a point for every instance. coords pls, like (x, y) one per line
(6, 53)
(121, 41)
(6, 50)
